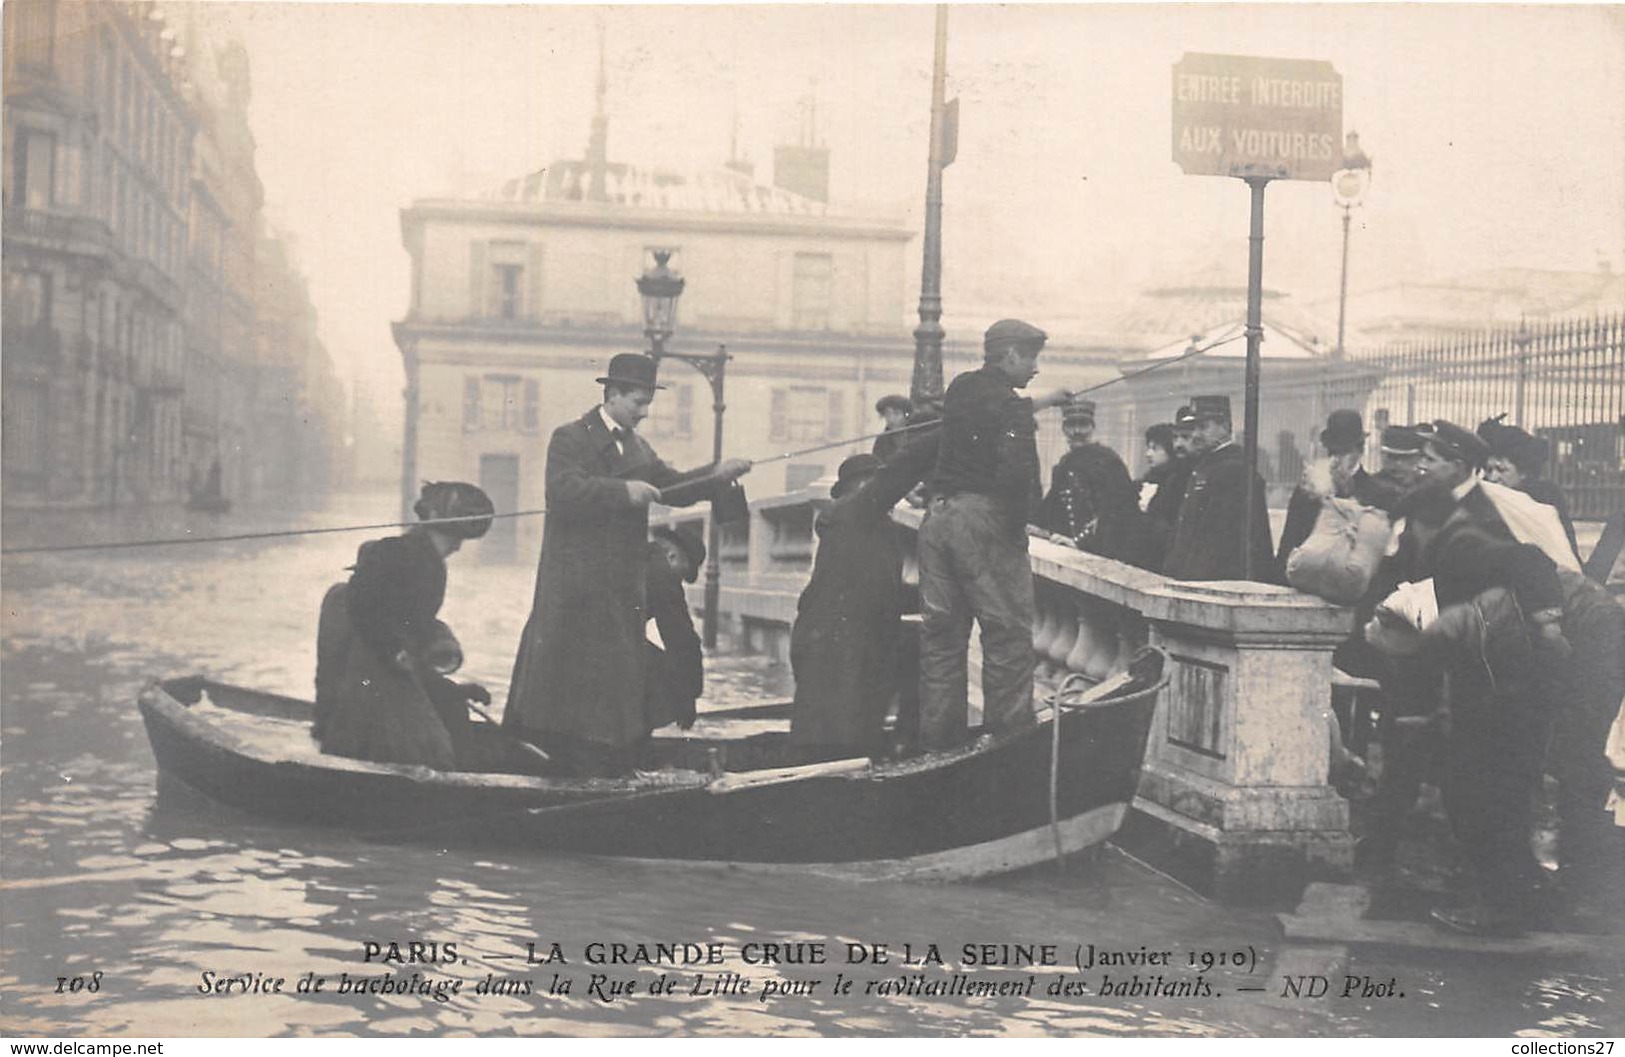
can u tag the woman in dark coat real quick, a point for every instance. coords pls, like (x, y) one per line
(844, 645)
(1517, 460)
(382, 657)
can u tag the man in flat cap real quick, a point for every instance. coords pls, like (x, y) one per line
(1092, 500)
(1208, 538)
(973, 543)
(578, 682)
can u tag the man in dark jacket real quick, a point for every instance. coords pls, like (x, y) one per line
(894, 409)
(1208, 539)
(1091, 501)
(675, 669)
(578, 682)
(844, 647)
(973, 542)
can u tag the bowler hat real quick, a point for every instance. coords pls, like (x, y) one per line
(1345, 431)
(852, 472)
(1017, 332)
(1210, 408)
(690, 544)
(1455, 443)
(1401, 440)
(632, 368)
(1078, 411)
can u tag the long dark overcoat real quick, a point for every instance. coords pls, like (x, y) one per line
(580, 668)
(1207, 538)
(844, 644)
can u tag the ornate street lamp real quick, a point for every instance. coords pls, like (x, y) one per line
(1348, 190)
(660, 288)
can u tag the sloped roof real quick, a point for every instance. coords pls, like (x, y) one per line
(1230, 340)
(717, 190)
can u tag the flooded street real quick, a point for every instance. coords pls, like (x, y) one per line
(153, 903)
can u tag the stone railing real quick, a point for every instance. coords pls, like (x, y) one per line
(1233, 796)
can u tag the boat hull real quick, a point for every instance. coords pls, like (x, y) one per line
(983, 809)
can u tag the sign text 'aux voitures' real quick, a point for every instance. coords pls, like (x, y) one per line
(1236, 115)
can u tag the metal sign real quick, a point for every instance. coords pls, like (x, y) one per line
(1236, 115)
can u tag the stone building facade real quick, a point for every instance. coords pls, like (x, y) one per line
(131, 227)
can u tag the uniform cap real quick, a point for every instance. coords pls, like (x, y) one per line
(1078, 411)
(1209, 408)
(1455, 443)
(1401, 440)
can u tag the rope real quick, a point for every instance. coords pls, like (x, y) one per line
(288, 533)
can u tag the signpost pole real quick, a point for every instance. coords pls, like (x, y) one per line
(1255, 335)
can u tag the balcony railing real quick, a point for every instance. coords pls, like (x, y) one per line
(77, 233)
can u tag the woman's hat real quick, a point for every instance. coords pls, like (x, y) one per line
(632, 368)
(1523, 449)
(691, 545)
(456, 499)
(853, 471)
(1345, 431)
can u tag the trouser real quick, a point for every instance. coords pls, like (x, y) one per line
(973, 566)
(1497, 742)
(1585, 701)
(1411, 687)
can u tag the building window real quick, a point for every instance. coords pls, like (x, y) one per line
(672, 413)
(499, 399)
(35, 169)
(25, 424)
(27, 298)
(505, 280)
(471, 404)
(809, 291)
(806, 413)
(36, 31)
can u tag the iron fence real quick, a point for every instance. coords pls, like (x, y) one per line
(1563, 380)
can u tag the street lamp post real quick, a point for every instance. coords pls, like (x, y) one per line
(660, 288)
(1348, 189)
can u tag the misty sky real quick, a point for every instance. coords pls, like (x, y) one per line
(1497, 133)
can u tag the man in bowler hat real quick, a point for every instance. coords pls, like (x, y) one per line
(1208, 536)
(1339, 475)
(578, 682)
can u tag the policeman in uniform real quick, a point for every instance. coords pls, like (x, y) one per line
(1207, 539)
(973, 542)
(1092, 500)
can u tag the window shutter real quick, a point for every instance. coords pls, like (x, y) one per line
(533, 400)
(533, 306)
(471, 404)
(836, 428)
(776, 415)
(476, 279)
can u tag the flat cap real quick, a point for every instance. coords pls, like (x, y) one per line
(1013, 332)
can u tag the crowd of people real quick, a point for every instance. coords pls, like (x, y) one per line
(1488, 643)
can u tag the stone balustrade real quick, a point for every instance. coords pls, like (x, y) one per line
(1233, 796)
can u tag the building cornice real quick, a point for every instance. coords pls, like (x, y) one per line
(598, 215)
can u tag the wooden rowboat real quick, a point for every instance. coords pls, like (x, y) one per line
(731, 790)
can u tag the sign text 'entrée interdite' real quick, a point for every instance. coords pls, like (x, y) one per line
(1235, 115)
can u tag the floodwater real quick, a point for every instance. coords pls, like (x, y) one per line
(138, 908)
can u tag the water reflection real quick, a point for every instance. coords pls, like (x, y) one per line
(102, 874)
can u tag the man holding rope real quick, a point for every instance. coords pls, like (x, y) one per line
(578, 682)
(973, 542)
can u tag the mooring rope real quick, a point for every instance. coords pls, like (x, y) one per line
(237, 537)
